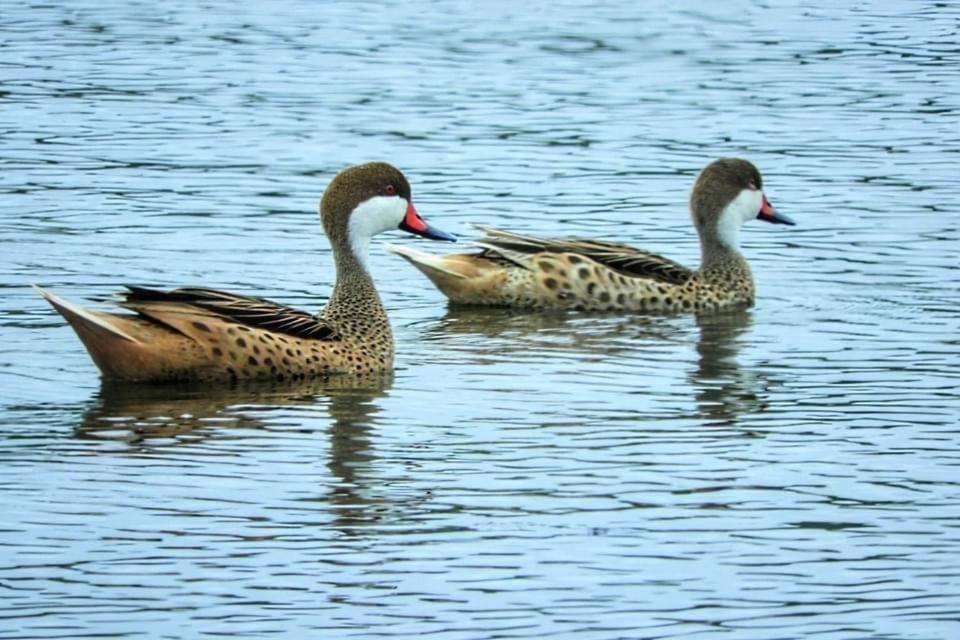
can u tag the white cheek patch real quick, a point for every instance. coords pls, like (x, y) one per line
(373, 216)
(744, 207)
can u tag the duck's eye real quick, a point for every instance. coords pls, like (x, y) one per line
(752, 186)
(389, 190)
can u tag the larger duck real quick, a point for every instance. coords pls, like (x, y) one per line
(200, 334)
(530, 272)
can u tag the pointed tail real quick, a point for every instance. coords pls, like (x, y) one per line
(87, 324)
(427, 262)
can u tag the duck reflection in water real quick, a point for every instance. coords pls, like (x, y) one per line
(724, 391)
(138, 414)
(599, 333)
(152, 419)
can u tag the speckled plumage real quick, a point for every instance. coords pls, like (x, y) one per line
(199, 334)
(522, 271)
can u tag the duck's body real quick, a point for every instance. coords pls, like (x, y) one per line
(528, 272)
(199, 334)
(522, 271)
(207, 335)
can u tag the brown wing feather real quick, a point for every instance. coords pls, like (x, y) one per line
(619, 257)
(254, 312)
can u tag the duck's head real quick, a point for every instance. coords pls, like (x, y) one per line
(728, 193)
(367, 199)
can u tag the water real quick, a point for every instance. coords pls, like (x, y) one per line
(786, 472)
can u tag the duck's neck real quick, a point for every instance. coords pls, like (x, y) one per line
(714, 250)
(724, 269)
(355, 305)
(720, 255)
(720, 238)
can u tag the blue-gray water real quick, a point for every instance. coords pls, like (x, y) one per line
(788, 472)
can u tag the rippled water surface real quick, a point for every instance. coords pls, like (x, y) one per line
(792, 471)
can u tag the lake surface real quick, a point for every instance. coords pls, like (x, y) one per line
(792, 471)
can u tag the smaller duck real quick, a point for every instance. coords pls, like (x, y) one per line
(198, 334)
(529, 272)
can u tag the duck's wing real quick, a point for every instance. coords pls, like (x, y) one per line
(247, 310)
(512, 247)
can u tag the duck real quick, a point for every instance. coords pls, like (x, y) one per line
(199, 334)
(530, 272)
